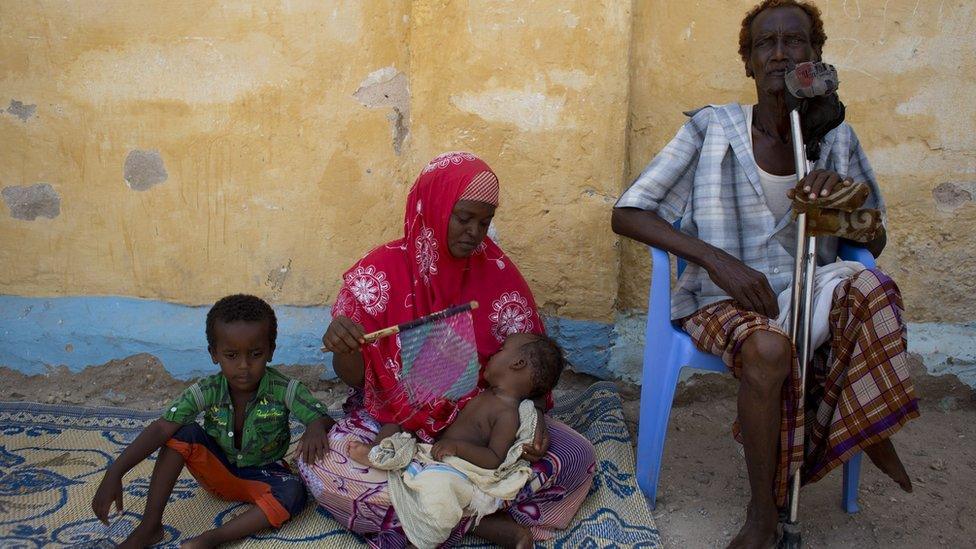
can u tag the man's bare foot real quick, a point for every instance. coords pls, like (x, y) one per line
(759, 531)
(202, 541)
(501, 528)
(359, 452)
(144, 535)
(884, 457)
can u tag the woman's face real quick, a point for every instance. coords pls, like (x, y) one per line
(468, 226)
(780, 39)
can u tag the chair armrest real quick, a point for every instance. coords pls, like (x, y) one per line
(852, 251)
(659, 295)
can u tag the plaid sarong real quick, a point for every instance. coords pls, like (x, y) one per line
(858, 387)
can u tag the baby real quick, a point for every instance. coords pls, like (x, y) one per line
(527, 367)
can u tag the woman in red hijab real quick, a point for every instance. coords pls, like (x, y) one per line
(445, 258)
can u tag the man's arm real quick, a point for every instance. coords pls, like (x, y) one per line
(745, 285)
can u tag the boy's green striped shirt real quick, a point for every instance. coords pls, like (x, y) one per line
(266, 434)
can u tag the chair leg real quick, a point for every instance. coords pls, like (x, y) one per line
(852, 474)
(657, 393)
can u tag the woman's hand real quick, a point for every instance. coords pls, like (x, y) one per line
(540, 443)
(343, 336)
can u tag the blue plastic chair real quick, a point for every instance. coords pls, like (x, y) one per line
(667, 350)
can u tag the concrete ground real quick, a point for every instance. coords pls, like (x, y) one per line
(703, 488)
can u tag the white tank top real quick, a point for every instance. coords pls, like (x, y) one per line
(774, 186)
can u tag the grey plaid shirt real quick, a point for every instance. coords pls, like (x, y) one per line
(707, 178)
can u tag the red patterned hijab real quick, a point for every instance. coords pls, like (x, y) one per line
(417, 275)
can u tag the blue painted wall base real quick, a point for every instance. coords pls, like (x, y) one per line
(81, 331)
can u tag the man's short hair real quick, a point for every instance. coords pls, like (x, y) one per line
(248, 308)
(817, 35)
(546, 361)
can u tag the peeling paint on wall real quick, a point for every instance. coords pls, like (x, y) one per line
(20, 110)
(526, 109)
(144, 169)
(388, 87)
(950, 196)
(276, 279)
(189, 70)
(574, 78)
(32, 201)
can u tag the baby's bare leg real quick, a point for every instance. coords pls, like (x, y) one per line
(359, 451)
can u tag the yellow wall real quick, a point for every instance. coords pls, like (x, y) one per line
(291, 131)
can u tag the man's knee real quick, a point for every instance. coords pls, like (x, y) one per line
(867, 280)
(766, 359)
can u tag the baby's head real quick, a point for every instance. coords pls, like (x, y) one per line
(528, 364)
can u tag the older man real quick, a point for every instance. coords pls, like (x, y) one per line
(726, 177)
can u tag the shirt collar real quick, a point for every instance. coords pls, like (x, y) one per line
(734, 123)
(263, 386)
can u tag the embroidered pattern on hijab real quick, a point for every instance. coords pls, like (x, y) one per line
(417, 275)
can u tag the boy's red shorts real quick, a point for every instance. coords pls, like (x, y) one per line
(273, 487)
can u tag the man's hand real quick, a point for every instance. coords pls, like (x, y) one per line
(818, 184)
(314, 443)
(747, 286)
(540, 443)
(343, 336)
(109, 490)
(444, 448)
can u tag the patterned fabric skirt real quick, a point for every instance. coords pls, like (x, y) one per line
(357, 496)
(858, 390)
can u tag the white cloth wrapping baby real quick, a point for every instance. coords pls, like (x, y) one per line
(430, 497)
(825, 281)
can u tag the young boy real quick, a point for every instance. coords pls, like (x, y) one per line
(527, 367)
(237, 454)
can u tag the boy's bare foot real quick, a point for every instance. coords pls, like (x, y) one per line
(359, 452)
(144, 535)
(884, 457)
(759, 531)
(502, 529)
(202, 541)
